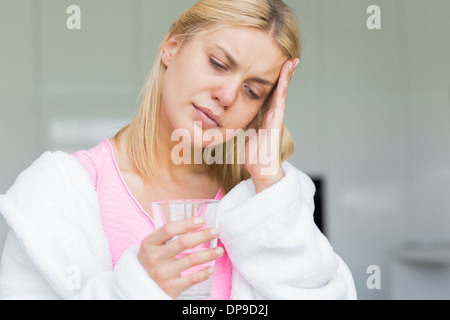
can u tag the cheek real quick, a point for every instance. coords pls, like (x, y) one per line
(174, 88)
(241, 117)
(167, 97)
(171, 82)
(171, 102)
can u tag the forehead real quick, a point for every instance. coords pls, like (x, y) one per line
(252, 49)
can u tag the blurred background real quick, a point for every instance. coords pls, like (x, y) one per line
(369, 111)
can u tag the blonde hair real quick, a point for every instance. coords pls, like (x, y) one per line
(271, 16)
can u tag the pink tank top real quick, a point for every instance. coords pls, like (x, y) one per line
(125, 222)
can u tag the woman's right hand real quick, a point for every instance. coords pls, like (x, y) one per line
(158, 256)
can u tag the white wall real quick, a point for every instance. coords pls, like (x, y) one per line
(370, 113)
(368, 109)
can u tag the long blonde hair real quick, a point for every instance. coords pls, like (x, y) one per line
(271, 16)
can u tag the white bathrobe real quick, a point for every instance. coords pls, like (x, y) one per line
(56, 247)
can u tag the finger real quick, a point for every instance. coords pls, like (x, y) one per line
(172, 229)
(175, 267)
(283, 80)
(172, 268)
(191, 240)
(275, 114)
(199, 258)
(183, 283)
(296, 63)
(287, 76)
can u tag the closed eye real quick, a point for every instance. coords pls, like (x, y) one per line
(217, 65)
(251, 93)
(221, 67)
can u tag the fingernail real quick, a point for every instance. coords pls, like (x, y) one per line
(285, 84)
(214, 231)
(290, 66)
(296, 64)
(293, 73)
(211, 270)
(199, 220)
(219, 251)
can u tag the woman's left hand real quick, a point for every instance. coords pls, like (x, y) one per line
(263, 148)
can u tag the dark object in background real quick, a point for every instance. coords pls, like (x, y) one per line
(319, 203)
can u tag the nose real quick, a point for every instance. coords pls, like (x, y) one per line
(226, 92)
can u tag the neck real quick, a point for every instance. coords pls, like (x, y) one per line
(168, 168)
(172, 156)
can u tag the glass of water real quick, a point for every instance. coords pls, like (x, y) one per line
(174, 210)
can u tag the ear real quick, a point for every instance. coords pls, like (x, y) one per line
(170, 49)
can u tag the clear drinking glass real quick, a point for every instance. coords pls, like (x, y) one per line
(175, 210)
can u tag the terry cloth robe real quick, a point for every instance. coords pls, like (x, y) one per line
(56, 247)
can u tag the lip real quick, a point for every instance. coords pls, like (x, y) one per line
(210, 115)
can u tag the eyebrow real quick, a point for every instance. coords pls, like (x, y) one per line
(235, 65)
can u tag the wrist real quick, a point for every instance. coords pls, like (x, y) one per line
(262, 184)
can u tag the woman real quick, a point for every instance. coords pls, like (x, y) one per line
(81, 224)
